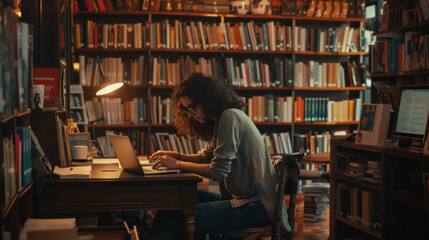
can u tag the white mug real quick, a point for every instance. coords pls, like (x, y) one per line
(80, 152)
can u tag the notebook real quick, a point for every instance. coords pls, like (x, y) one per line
(128, 158)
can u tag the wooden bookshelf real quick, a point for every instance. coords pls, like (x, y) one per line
(357, 226)
(283, 90)
(398, 31)
(399, 74)
(400, 199)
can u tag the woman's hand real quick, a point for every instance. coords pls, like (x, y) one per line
(166, 161)
(157, 154)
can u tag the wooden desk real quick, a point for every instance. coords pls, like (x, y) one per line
(111, 189)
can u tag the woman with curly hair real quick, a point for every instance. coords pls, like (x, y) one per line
(235, 156)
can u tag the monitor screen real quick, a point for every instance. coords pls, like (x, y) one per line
(412, 112)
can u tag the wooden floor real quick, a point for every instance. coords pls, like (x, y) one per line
(316, 230)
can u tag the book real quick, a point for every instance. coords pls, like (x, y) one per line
(48, 77)
(80, 172)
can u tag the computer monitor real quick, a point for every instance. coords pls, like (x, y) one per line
(412, 113)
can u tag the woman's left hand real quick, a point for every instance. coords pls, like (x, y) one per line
(166, 161)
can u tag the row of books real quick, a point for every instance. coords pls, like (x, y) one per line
(312, 142)
(408, 53)
(270, 108)
(127, 70)
(358, 205)
(168, 71)
(137, 137)
(151, 5)
(110, 5)
(276, 72)
(325, 110)
(113, 111)
(23, 155)
(287, 72)
(90, 34)
(398, 13)
(327, 74)
(16, 47)
(267, 108)
(251, 35)
(333, 9)
(278, 142)
(172, 142)
(161, 110)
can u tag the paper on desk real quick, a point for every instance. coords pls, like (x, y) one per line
(73, 172)
(46, 224)
(144, 161)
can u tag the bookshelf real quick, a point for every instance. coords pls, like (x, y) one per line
(392, 64)
(17, 184)
(390, 208)
(155, 51)
(16, 87)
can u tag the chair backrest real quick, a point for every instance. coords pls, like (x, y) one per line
(286, 166)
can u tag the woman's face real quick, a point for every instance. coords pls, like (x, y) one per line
(193, 109)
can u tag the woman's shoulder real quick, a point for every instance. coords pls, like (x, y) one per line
(232, 113)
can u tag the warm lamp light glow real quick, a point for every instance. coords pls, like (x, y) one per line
(76, 66)
(108, 88)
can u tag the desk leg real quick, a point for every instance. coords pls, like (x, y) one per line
(189, 227)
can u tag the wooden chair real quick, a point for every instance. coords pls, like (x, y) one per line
(286, 166)
(315, 158)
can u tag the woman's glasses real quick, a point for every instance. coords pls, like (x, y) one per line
(189, 109)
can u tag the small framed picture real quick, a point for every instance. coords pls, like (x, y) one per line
(78, 140)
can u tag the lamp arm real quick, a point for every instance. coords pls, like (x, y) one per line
(93, 132)
(100, 66)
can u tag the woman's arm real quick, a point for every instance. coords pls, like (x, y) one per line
(172, 163)
(195, 158)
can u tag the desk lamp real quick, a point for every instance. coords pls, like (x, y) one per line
(106, 85)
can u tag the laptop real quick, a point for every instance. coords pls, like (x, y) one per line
(128, 158)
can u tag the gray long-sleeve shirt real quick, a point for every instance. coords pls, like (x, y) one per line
(238, 156)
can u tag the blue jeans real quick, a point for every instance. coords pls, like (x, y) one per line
(214, 216)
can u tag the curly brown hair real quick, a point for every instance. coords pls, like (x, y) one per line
(212, 95)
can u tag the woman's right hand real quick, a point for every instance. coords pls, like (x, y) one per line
(160, 153)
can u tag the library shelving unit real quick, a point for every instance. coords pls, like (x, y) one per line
(154, 52)
(16, 198)
(386, 80)
(16, 185)
(392, 208)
